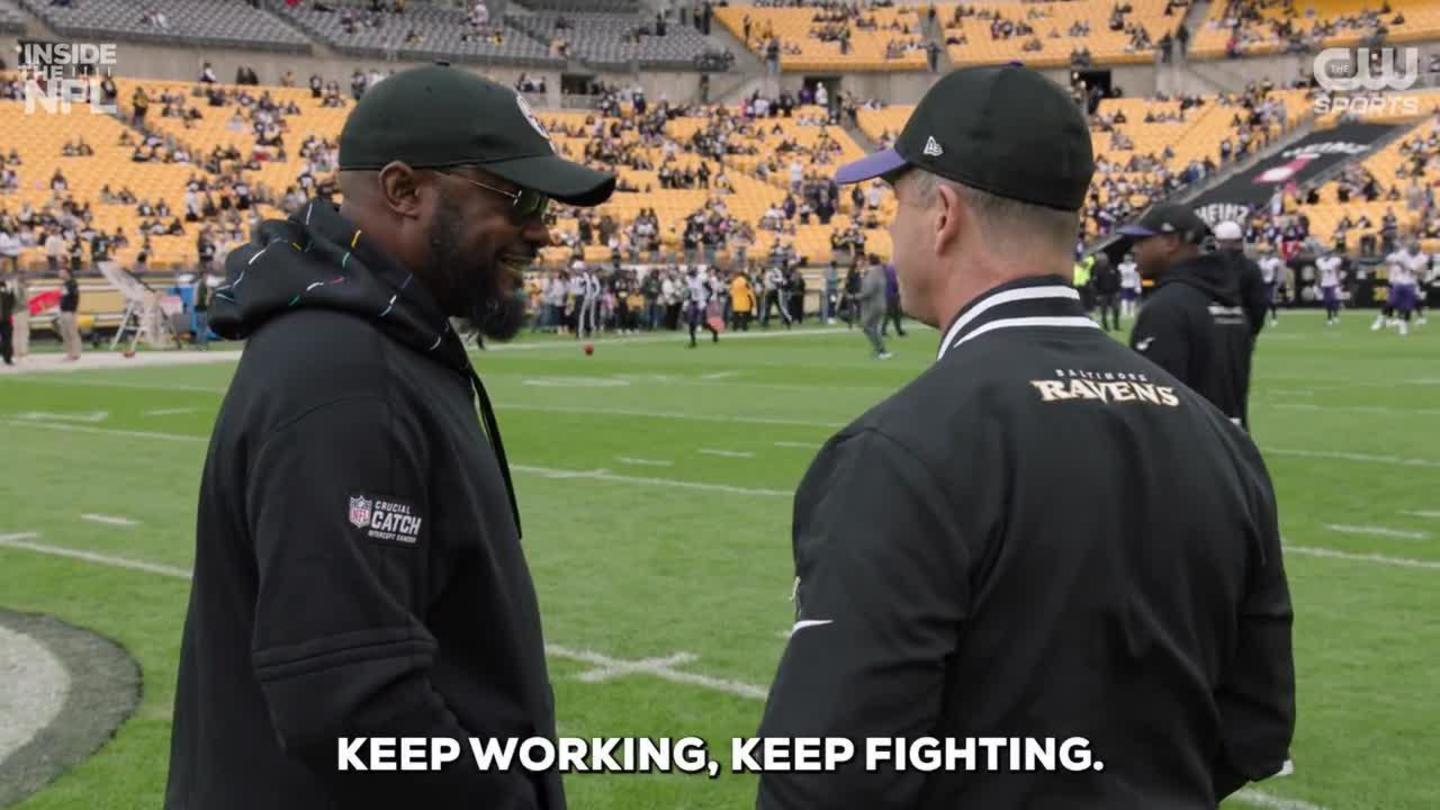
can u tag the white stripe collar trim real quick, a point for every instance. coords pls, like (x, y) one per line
(1009, 296)
(1077, 321)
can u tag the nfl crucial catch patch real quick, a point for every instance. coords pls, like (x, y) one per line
(388, 520)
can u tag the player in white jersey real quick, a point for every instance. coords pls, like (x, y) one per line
(1271, 267)
(575, 295)
(585, 321)
(1329, 266)
(1129, 286)
(697, 301)
(1406, 268)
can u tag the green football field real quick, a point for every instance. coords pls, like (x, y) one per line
(655, 484)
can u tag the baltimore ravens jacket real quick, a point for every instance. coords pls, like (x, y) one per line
(358, 568)
(1044, 536)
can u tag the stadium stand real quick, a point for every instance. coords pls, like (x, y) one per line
(1398, 180)
(698, 183)
(217, 23)
(1098, 32)
(616, 41)
(422, 32)
(831, 38)
(1148, 149)
(10, 19)
(584, 6)
(1254, 27)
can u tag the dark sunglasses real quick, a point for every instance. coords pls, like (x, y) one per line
(525, 203)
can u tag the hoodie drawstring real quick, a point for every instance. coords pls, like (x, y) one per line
(492, 431)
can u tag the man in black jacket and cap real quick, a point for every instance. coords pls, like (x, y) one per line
(1230, 243)
(1043, 536)
(1194, 324)
(358, 566)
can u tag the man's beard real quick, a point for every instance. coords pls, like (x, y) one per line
(487, 307)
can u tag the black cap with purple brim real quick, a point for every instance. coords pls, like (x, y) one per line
(1003, 129)
(1170, 218)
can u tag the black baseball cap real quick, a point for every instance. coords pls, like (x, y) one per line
(438, 117)
(1166, 219)
(1003, 129)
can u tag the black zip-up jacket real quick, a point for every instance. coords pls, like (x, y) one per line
(1044, 535)
(1195, 325)
(70, 296)
(1252, 287)
(358, 569)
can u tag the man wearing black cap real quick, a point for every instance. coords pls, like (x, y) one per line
(1044, 535)
(1194, 324)
(358, 568)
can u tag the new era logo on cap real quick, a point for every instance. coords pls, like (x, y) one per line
(932, 147)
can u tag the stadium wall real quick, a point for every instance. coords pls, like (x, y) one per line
(140, 60)
(178, 62)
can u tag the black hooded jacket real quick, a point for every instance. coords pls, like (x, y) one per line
(1251, 285)
(358, 569)
(1195, 326)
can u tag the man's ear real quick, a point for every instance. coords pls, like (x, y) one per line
(400, 188)
(950, 213)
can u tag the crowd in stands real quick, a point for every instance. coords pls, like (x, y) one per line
(1244, 27)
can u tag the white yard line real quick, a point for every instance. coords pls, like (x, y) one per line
(134, 434)
(799, 445)
(1379, 410)
(1258, 798)
(196, 389)
(170, 411)
(1378, 531)
(91, 417)
(502, 407)
(545, 472)
(603, 475)
(1340, 456)
(1424, 513)
(1379, 559)
(711, 451)
(27, 542)
(606, 667)
(109, 520)
(644, 462)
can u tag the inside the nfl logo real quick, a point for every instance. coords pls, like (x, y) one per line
(360, 511)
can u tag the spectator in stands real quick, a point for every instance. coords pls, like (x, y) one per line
(66, 324)
(10, 247)
(58, 182)
(140, 102)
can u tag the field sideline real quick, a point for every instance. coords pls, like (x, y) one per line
(655, 486)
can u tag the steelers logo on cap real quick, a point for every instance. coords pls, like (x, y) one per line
(530, 116)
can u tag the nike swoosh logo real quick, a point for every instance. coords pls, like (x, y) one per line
(804, 623)
(1142, 345)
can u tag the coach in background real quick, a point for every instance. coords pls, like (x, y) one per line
(1195, 324)
(1255, 294)
(1044, 534)
(358, 568)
